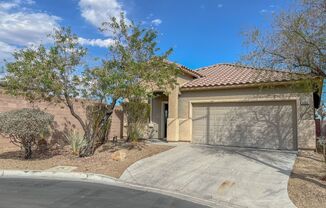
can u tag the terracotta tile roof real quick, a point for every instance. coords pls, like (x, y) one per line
(189, 71)
(186, 70)
(233, 74)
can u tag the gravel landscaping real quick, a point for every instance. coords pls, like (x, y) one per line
(307, 184)
(101, 162)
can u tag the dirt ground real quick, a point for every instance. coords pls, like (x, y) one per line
(307, 184)
(101, 162)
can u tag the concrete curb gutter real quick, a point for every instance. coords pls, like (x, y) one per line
(57, 175)
(106, 180)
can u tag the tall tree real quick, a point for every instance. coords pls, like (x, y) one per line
(134, 65)
(49, 74)
(296, 40)
(132, 70)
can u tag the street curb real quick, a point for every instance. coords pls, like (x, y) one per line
(57, 175)
(106, 180)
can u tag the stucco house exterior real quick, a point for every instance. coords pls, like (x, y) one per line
(234, 105)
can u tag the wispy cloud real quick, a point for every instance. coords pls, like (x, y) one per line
(156, 22)
(22, 28)
(263, 11)
(6, 50)
(104, 43)
(7, 5)
(270, 10)
(98, 11)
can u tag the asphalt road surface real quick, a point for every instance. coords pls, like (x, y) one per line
(37, 193)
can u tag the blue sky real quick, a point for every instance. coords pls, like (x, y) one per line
(202, 32)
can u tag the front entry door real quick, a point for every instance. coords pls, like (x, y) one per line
(165, 119)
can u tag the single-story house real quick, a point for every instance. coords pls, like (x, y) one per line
(234, 105)
(223, 104)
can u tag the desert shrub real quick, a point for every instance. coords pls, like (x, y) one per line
(26, 127)
(137, 118)
(76, 141)
(98, 123)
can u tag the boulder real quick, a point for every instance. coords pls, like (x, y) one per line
(119, 155)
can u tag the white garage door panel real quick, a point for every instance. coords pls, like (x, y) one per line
(254, 124)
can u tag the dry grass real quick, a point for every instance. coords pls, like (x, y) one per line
(307, 184)
(101, 162)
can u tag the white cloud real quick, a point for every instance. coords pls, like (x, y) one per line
(24, 28)
(30, 2)
(98, 11)
(7, 48)
(5, 51)
(265, 11)
(20, 27)
(156, 22)
(7, 5)
(96, 42)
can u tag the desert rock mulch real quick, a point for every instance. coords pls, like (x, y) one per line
(101, 162)
(307, 187)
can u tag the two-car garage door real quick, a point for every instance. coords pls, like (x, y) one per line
(270, 125)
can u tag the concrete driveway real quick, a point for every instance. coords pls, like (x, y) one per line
(238, 177)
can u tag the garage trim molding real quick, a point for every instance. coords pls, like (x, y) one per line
(295, 99)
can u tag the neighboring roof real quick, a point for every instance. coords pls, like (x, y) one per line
(233, 74)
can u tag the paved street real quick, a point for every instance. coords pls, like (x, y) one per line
(36, 193)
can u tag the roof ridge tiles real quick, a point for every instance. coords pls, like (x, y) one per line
(237, 74)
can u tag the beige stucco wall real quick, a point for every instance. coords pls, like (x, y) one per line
(173, 122)
(303, 101)
(156, 115)
(183, 78)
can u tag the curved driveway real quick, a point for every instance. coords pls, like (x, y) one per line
(238, 177)
(39, 193)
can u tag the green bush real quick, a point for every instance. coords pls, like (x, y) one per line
(26, 127)
(76, 142)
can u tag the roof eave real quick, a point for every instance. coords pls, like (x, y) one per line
(190, 72)
(234, 86)
(186, 69)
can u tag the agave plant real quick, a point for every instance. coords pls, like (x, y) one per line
(76, 141)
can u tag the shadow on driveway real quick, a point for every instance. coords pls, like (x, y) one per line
(237, 176)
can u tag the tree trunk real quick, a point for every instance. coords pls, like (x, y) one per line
(90, 134)
(73, 113)
(94, 140)
(324, 151)
(28, 151)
